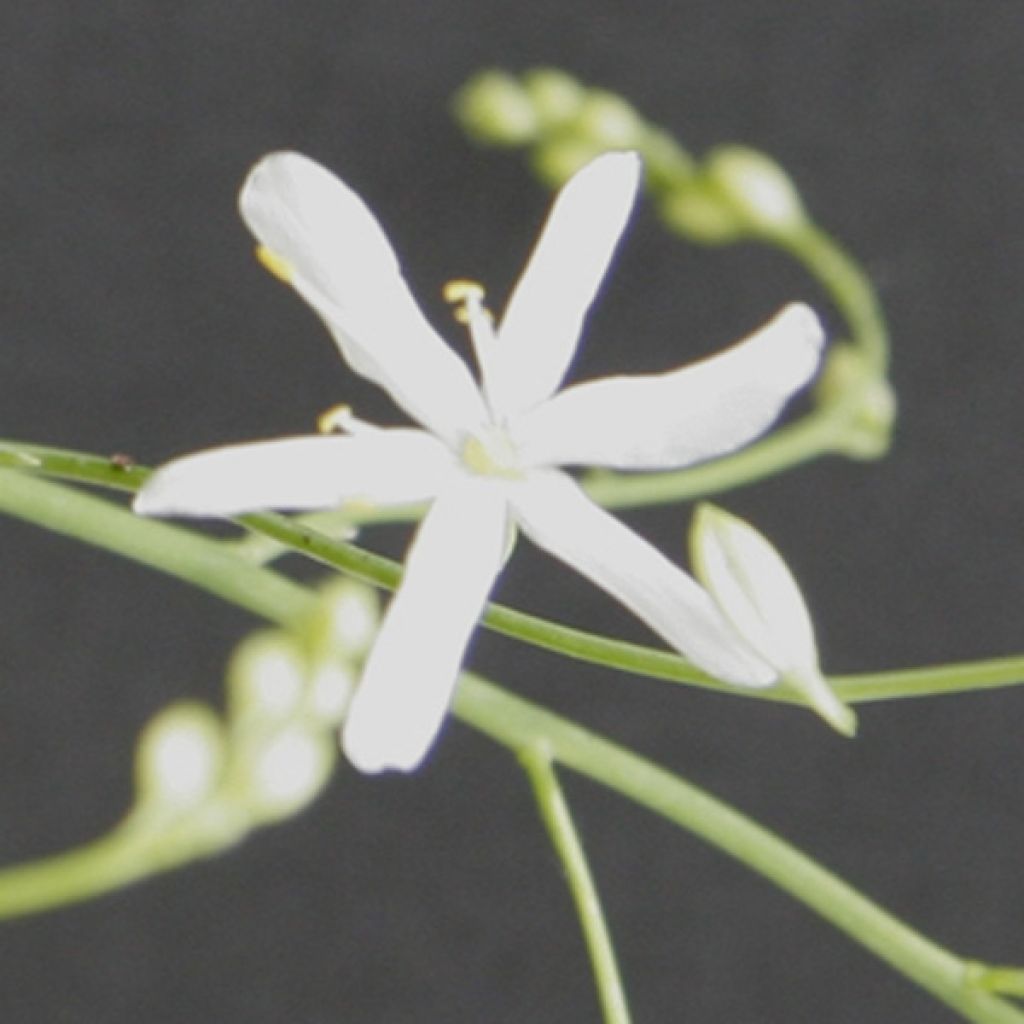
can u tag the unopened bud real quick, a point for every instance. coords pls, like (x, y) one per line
(757, 594)
(179, 757)
(266, 678)
(287, 772)
(760, 192)
(494, 108)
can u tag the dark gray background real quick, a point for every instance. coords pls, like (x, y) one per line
(133, 318)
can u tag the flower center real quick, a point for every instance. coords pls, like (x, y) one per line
(489, 452)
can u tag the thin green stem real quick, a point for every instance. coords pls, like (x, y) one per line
(851, 290)
(554, 811)
(134, 850)
(213, 565)
(931, 681)
(817, 434)
(514, 722)
(203, 562)
(111, 862)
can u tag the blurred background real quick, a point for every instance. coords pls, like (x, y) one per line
(133, 318)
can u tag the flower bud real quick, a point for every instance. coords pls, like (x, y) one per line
(848, 379)
(494, 108)
(555, 97)
(555, 161)
(761, 600)
(758, 190)
(330, 691)
(696, 212)
(266, 678)
(608, 121)
(346, 620)
(179, 757)
(286, 772)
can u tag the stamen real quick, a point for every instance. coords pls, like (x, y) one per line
(467, 297)
(274, 263)
(335, 420)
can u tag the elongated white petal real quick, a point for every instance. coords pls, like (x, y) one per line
(331, 248)
(663, 421)
(410, 674)
(383, 467)
(555, 514)
(757, 593)
(542, 322)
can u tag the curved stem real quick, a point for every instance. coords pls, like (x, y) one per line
(818, 433)
(557, 819)
(514, 722)
(850, 289)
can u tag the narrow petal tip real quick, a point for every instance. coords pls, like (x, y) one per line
(802, 323)
(814, 688)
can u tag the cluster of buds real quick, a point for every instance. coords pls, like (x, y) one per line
(204, 780)
(734, 192)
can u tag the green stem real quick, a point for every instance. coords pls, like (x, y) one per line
(514, 723)
(85, 872)
(219, 568)
(557, 819)
(205, 563)
(848, 285)
(932, 681)
(816, 434)
(134, 850)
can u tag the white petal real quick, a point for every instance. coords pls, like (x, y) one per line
(663, 421)
(336, 255)
(383, 467)
(410, 674)
(542, 322)
(555, 514)
(755, 590)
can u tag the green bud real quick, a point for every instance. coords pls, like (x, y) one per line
(179, 757)
(666, 164)
(760, 192)
(493, 107)
(848, 380)
(557, 160)
(608, 121)
(699, 214)
(555, 97)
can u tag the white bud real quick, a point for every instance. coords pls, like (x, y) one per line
(330, 691)
(347, 620)
(180, 756)
(759, 597)
(266, 677)
(286, 772)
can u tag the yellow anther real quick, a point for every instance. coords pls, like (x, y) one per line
(274, 263)
(462, 290)
(467, 297)
(334, 420)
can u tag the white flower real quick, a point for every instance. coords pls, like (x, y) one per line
(757, 593)
(488, 455)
